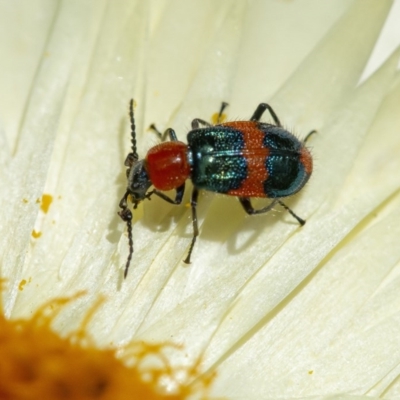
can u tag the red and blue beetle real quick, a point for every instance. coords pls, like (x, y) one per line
(245, 159)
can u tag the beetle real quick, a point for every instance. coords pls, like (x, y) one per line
(246, 159)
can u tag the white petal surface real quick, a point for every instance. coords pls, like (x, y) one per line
(276, 310)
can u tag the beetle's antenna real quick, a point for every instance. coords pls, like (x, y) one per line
(133, 131)
(130, 239)
(126, 216)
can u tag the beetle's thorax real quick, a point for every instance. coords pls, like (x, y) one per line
(167, 165)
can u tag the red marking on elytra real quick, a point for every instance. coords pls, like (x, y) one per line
(256, 155)
(306, 160)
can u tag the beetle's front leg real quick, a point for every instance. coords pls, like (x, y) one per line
(180, 191)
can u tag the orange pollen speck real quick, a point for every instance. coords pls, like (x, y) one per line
(36, 235)
(47, 199)
(217, 119)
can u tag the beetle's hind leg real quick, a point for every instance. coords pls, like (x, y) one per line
(309, 135)
(247, 206)
(301, 221)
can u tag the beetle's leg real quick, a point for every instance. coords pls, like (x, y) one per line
(301, 221)
(197, 122)
(172, 135)
(221, 111)
(193, 203)
(126, 216)
(246, 204)
(168, 132)
(260, 111)
(308, 136)
(153, 128)
(178, 197)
